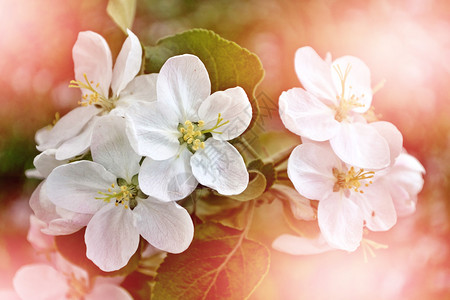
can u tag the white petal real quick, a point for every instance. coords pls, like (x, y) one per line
(42, 207)
(78, 144)
(221, 167)
(165, 225)
(63, 227)
(128, 63)
(108, 291)
(141, 88)
(233, 106)
(169, 179)
(40, 282)
(377, 207)
(341, 222)
(300, 206)
(91, 56)
(183, 83)
(152, 129)
(76, 186)
(357, 82)
(297, 245)
(68, 222)
(110, 147)
(67, 127)
(406, 161)
(315, 74)
(9, 294)
(58, 220)
(310, 168)
(404, 181)
(111, 237)
(39, 241)
(392, 136)
(43, 134)
(305, 115)
(361, 145)
(33, 173)
(45, 162)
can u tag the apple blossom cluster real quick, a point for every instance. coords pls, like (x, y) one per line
(357, 170)
(136, 144)
(145, 156)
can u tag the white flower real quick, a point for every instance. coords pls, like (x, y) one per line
(404, 181)
(58, 221)
(184, 133)
(107, 188)
(43, 282)
(331, 106)
(349, 198)
(71, 135)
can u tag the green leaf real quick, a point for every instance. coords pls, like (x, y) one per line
(73, 248)
(220, 264)
(212, 207)
(255, 188)
(228, 64)
(122, 12)
(267, 169)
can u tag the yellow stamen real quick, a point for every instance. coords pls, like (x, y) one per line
(94, 97)
(351, 179)
(345, 103)
(218, 125)
(125, 194)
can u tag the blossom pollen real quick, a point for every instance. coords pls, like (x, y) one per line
(78, 288)
(57, 117)
(124, 195)
(192, 135)
(94, 98)
(351, 179)
(345, 104)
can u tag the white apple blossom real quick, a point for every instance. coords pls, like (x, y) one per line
(404, 181)
(44, 282)
(71, 135)
(107, 187)
(59, 221)
(184, 133)
(331, 106)
(349, 197)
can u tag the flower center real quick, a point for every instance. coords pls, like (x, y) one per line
(351, 179)
(123, 193)
(78, 288)
(345, 103)
(193, 134)
(94, 97)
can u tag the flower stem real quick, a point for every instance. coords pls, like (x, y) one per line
(282, 156)
(248, 147)
(249, 219)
